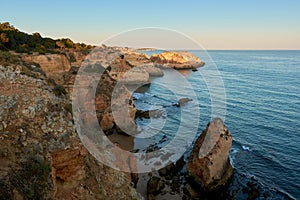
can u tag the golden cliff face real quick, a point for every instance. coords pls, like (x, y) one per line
(177, 60)
(51, 63)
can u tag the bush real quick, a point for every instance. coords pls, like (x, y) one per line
(22, 48)
(68, 108)
(5, 189)
(32, 179)
(7, 58)
(59, 90)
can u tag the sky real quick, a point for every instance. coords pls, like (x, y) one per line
(230, 24)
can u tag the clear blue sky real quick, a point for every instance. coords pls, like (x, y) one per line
(230, 24)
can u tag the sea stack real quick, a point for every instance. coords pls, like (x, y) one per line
(208, 165)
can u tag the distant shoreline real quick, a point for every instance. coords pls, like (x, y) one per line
(154, 49)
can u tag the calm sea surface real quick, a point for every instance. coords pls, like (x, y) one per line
(262, 113)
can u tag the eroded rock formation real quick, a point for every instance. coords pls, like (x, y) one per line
(51, 63)
(209, 164)
(143, 62)
(177, 60)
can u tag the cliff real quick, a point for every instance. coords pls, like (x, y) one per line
(51, 63)
(177, 60)
(40, 153)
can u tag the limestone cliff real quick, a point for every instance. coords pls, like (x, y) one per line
(50, 63)
(40, 153)
(104, 102)
(177, 60)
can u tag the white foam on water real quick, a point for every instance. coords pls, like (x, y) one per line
(232, 154)
(246, 148)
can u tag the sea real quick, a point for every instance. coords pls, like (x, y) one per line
(258, 97)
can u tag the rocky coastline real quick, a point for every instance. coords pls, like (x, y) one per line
(204, 173)
(37, 127)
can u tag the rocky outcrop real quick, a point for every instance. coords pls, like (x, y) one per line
(177, 60)
(123, 109)
(76, 57)
(151, 69)
(51, 63)
(109, 97)
(182, 102)
(147, 114)
(135, 76)
(41, 156)
(133, 68)
(123, 71)
(142, 61)
(136, 59)
(208, 164)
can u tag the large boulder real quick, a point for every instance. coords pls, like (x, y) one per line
(208, 164)
(177, 60)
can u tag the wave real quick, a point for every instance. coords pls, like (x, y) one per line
(246, 148)
(232, 154)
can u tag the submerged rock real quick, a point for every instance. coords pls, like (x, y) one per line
(208, 164)
(182, 102)
(177, 60)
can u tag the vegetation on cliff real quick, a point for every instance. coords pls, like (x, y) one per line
(13, 39)
(7, 58)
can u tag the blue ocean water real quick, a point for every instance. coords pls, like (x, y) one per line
(262, 113)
